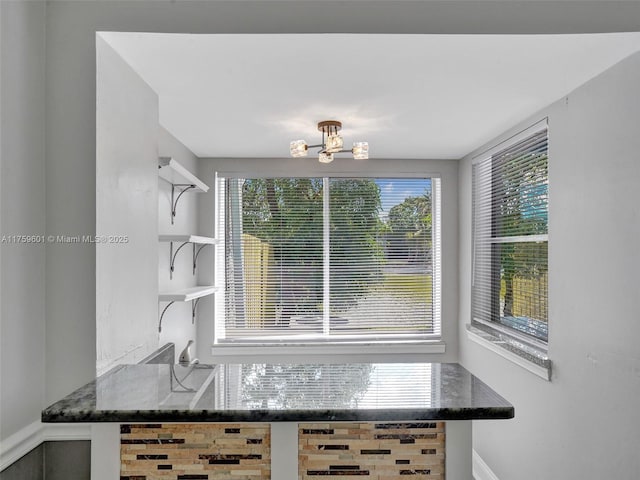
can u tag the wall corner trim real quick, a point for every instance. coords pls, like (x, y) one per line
(23, 441)
(481, 470)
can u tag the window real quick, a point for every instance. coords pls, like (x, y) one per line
(328, 259)
(510, 238)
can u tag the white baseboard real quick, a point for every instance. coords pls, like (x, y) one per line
(23, 441)
(481, 470)
(20, 443)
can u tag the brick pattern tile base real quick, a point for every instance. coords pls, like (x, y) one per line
(380, 451)
(195, 451)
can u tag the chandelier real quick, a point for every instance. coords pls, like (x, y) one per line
(332, 142)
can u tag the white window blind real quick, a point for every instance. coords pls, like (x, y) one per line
(510, 236)
(329, 259)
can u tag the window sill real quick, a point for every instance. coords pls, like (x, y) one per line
(534, 361)
(351, 348)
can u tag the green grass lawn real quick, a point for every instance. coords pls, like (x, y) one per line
(418, 286)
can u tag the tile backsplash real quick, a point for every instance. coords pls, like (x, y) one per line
(380, 451)
(195, 451)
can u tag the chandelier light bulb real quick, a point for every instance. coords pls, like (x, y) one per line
(325, 157)
(334, 143)
(360, 150)
(298, 148)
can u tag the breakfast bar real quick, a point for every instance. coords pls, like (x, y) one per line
(357, 415)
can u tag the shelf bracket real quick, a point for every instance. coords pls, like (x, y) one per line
(175, 377)
(162, 315)
(174, 199)
(196, 252)
(194, 305)
(172, 257)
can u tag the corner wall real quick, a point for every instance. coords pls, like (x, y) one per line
(22, 201)
(584, 423)
(126, 213)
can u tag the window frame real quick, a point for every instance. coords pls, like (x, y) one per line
(357, 343)
(523, 345)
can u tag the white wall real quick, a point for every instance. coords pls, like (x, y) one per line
(447, 170)
(585, 422)
(126, 212)
(176, 323)
(22, 212)
(70, 198)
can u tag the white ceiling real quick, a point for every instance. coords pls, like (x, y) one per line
(409, 96)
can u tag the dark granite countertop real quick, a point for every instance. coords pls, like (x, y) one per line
(282, 393)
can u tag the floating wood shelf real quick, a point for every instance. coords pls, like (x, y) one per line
(187, 294)
(189, 239)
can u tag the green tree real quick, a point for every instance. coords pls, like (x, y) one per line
(409, 234)
(287, 213)
(521, 210)
(354, 225)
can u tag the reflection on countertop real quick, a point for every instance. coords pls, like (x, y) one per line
(282, 392)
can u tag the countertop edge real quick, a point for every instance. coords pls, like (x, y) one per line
(214, 416)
